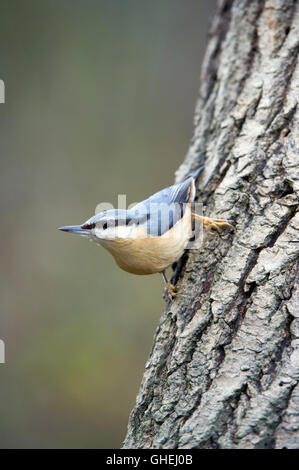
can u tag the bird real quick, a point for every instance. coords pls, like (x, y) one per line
(153, 234)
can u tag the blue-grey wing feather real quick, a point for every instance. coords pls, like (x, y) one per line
(164, 209)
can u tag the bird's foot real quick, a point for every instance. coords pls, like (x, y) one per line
(216, 223)
(170, 291)
(211, 222)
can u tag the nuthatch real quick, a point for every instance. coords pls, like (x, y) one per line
(152, 235)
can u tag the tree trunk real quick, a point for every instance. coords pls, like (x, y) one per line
(224, 368)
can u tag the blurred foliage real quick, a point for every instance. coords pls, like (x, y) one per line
(99, 102)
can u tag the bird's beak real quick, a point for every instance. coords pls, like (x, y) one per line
(76, 229)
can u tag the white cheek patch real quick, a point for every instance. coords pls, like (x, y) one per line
(121, 231)
(97, 232)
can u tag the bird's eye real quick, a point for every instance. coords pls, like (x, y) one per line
(105, 226)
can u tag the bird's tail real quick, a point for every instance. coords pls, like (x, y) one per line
(195, 173)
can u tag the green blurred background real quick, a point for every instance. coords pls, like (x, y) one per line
(99, 102)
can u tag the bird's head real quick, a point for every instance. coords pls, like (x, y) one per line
(105, 226)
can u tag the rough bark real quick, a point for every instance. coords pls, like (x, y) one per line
(224, 368)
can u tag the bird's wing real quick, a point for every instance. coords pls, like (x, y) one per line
(164, 209)
(182, 192)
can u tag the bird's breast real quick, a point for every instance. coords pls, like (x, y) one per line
(147, 254)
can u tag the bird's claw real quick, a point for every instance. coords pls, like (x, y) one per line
(211, 222)
(216, 223)
(170, 291)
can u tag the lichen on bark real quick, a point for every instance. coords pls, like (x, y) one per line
(224, 368)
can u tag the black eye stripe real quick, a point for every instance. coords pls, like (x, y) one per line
(108, 223)
(88, 226)
(115, 223)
